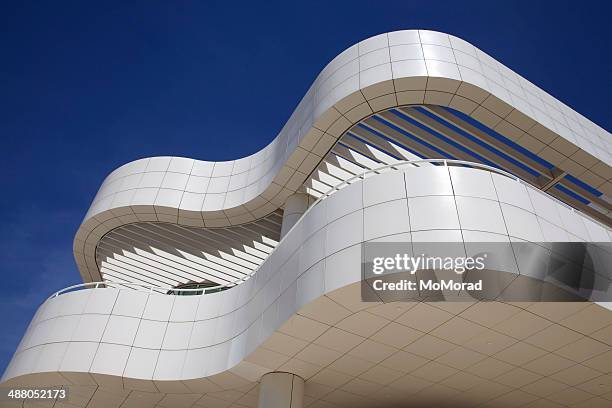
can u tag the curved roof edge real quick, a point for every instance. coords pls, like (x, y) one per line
(381, 72)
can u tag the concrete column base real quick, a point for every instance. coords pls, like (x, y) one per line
(281, 390)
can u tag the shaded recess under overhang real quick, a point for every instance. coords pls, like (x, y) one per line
(430, 131)
(168, 255)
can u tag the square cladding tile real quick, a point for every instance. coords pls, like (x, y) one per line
(141, 363)
(153, 179)
(318, 355)
(406, 52)
(374, 58)
(202, 334)
(202, 168)
(521, 224)
(61, 328)
(184, 308)
(461, 358)
(169, 364)
(53, 354)
(489, 342)
(181, 165)
(522, 325)
(489, 314)
(386, 219)
(553, 233)
(110, 359)
(150, 334)
(375, 76)
(544, 206)
(490, 368)
(572, 222)
(346, 200)
(303, 328)
(158, 307)
(363, 324)
(472, 183)
(223, 168)
(431, 213)
(218, 185)
(197, 184)
(351, 365)
(343, 268)
(372, 351)
(380, 189)
(381, 375)
(443, 69)
(101, 301)
(130, 303)
(74, 303)
(424, 317)
(177, 336)
(408, 69)
(312, 251)
(437, 236)
(466, 60)
(404, 37)
(404, 361)
(191, 202)
(90, 328)
(311, 284)
(158, 164)
(434, 37)
(176, 181)
(195, 363)
(549, 364)
(458, 330)
(480, 214)
(437, 52)
(462, 381)
(427, 181)
(373, 43)
(344, 232)
(120, 330)
(339, 340)
(79, 356)
(168, 198)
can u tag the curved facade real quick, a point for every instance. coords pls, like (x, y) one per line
(382, 72)
(295, 304)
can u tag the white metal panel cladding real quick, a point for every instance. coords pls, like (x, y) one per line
(377, 74)
(167, 255)
(126, 340)
(396, 96)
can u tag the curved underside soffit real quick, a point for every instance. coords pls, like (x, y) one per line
(381, 73)
(167, 255)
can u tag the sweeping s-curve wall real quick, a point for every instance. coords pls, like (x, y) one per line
(381, 72)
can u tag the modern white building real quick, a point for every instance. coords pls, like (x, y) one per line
(239, 283)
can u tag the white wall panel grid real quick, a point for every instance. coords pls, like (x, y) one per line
(382, 72)
(165, 341)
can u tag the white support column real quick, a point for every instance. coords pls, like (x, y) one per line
(295, 206)
(281, 390)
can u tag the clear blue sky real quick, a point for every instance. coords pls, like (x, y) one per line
(88, 86)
